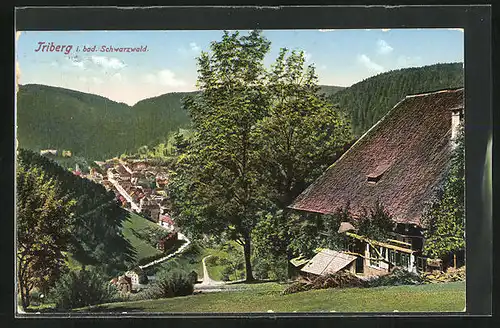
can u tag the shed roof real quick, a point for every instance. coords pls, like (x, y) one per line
(398, 162)
(328, 261)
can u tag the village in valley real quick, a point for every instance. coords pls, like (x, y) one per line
(298, 197)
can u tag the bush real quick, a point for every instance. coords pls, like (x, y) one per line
(213, 260)
(193, 276)
(279, 269)
(82, 288)
(171, 283)
(143, 279)
(397, 277)
(271, 267)
(261, 270)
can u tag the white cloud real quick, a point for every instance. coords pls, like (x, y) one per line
(368, 63)
(367, 29)
(386, 29)
(164, 77)
(194, 47)
(383, 47)
(54, 64)
(107, 62)
(83, 79)
(307, 57)
(326, 30)
(456, 29)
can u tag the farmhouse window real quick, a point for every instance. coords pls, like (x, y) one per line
(374, 176)
(373, 179)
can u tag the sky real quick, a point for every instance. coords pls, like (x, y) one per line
(341, 57)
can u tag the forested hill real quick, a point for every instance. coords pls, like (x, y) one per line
(367, 101)
(329, 90)
(98, 218)
(92, 126)
(96, 128)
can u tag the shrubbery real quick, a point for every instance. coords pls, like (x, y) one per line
(271, 267)
(171, 283)
(213, 261)
(193, 276)
(82, 288)
(397, 277)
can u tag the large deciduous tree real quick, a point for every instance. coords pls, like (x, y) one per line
(43, 230)
(301, 135)
(217, 187)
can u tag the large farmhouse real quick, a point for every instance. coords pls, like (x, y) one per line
(399, 162)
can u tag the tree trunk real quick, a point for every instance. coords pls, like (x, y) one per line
(248, 263)
(23, 300)
(22, 285)
(289, 253)
(25, 297)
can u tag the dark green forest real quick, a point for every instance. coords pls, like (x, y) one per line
(368, 101)
(97, 128)
(92, 126)
(96, 239)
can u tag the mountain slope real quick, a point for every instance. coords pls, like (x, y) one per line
(367, 101)
(50, 117)
(92, 126)
(95, 127)
(156, 116)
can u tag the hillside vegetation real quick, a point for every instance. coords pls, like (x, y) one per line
(367, 101)
(97, 237)
(92, 126)
(95, 127)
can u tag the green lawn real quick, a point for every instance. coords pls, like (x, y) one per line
(446, 297)
(135, 223)
(189, 260)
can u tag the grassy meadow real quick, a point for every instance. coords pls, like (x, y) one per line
(265, 297)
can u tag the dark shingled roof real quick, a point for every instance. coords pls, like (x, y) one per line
(398, 161)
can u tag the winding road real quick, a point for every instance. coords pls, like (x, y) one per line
(208, 284)
(178, 251)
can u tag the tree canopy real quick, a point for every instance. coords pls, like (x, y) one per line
(260, 136)
(445, 215)
(44, 221)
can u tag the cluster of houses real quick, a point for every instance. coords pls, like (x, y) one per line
(399, 162)
(137, 184)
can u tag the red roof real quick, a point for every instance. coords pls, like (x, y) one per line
(398, 162)
(166, 218)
